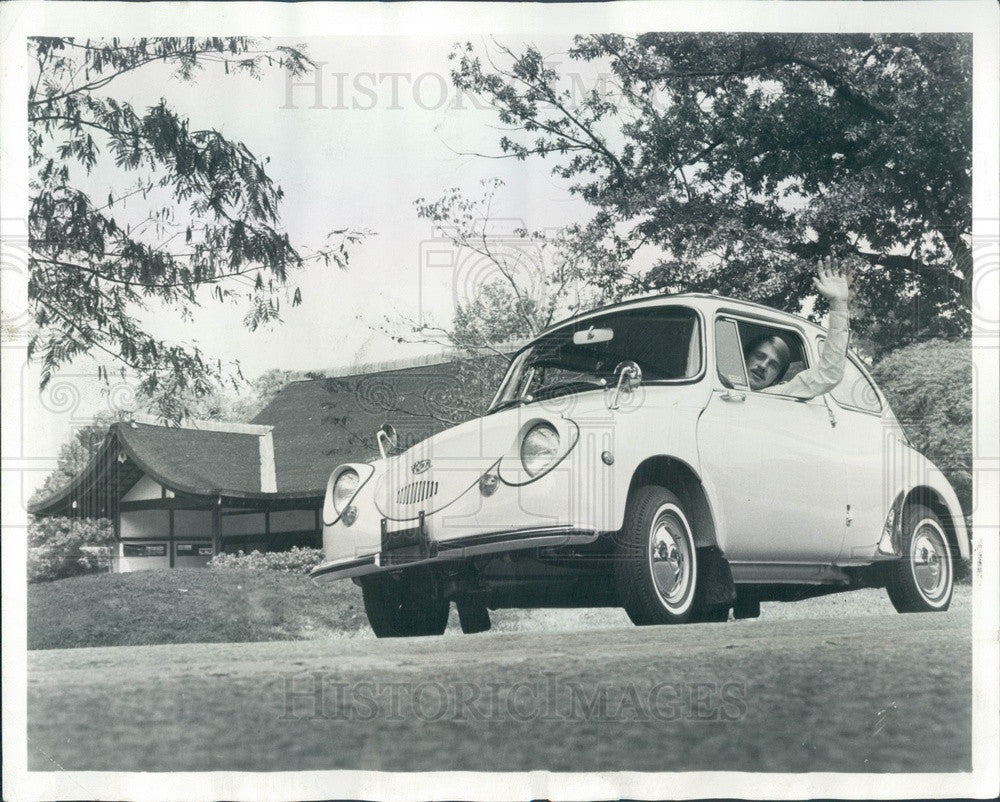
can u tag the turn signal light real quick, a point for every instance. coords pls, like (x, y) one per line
(488, 484)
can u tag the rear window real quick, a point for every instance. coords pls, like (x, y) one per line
(856, 390)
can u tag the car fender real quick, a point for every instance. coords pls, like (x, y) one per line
(928, 486)
(661, 448)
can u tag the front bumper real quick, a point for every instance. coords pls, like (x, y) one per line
(429, 551)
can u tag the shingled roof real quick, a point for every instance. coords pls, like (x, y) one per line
(196, 461)
(322, 422)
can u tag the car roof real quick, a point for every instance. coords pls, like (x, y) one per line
(707, 302)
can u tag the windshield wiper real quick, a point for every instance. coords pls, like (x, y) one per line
(510, 402)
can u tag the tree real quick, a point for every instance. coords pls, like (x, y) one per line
(509, 284)
(929, 386)
(74, 455)
(192, 211)
(737, 159)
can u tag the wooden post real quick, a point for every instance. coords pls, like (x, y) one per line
(170, 542)
(217, 527)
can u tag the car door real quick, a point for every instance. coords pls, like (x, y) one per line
(868, 445)
(770, 463)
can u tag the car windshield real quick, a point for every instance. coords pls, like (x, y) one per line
(663, 341)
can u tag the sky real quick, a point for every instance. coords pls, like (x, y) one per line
(388, 132)
(353, 144)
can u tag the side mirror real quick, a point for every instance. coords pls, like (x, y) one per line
(386, 439)
(629, 379)
(629, 375)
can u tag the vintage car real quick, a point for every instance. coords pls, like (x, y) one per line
(625, 461)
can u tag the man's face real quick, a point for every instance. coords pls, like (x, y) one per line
(763, 366)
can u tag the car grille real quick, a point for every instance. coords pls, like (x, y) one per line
(416, 491)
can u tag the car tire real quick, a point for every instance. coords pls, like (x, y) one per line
(716, 614)
(746, 607)
(656, 565)
(399, 607)
(923, 579)
(473, 617)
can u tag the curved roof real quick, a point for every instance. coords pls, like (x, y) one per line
(185, 460)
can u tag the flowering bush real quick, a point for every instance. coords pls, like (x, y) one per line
(294, 561)
(63, 547)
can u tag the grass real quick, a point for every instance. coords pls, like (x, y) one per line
(188, 606)
(195, 605)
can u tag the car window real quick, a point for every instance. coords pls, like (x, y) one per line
(734, 339)
(856, 390)
(729, 355)
(664, 341)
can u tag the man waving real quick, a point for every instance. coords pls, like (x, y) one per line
(768, 358)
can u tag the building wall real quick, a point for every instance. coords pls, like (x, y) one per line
(156, 539)
(144, 531)
(193, 523)
(243, 524)
(192, 553)
(143, 490)
(292, 520)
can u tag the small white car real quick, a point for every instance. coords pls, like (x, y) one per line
(625, 461)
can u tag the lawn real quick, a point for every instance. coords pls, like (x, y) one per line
(213, 606)
(188, 606)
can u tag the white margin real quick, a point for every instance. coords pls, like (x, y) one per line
(21, 19)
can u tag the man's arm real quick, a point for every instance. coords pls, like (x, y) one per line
(833, 284)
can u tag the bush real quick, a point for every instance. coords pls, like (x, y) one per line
(64, 547)
(929, 386)
(294, 561)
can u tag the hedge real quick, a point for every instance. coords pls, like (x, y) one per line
(296, 560)
(64, 547)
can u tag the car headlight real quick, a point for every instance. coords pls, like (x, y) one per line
(539, 448)
(344, 489)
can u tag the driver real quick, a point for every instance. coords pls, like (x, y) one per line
(768, 357)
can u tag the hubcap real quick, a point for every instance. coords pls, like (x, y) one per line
(670, 559)
(930, 560)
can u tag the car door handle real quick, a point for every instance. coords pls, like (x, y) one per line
(730, 395)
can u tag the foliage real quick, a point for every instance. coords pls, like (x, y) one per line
(929, 386)
(251, 398)
(509, 284)
(64, 547)
(74, 455)
(295, 561)
(190, 211)
(733, 160)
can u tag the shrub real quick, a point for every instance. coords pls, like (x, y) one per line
(929, 386)
(64, 547)
(294, 561)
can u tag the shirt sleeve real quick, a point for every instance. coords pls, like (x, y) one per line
(827, 373)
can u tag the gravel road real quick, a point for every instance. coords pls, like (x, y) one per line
(826, 692)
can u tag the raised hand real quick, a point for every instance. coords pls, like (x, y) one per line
(833, 281)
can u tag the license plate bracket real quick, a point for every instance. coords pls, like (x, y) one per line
(407, 545)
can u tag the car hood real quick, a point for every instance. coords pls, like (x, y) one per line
(436, 471)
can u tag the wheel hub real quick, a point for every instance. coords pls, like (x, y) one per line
(929, 568)
(670, 563)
